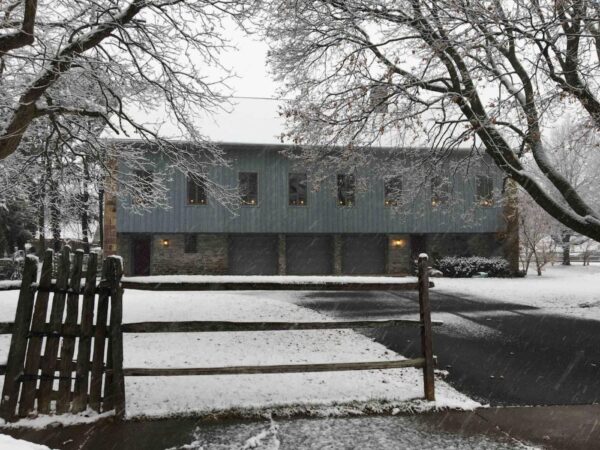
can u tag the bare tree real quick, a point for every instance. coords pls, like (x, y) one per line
(535, 229)
(487, 74)
(70, 69)
(573, 149)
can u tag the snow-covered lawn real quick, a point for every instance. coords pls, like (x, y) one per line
(563, 290)
(10, 443)
(318, 393)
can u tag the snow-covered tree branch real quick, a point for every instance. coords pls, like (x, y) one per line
(488, 74)
(74, 72)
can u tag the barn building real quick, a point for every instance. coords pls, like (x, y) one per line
(284, 226)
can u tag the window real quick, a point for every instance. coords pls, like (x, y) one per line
(379, 97)
(297, 184)
(392, 187)
(484, 190)
(196, 190)
(248, 186)
(346, 188)
(191, 243)
(143, 182)
(440, 191)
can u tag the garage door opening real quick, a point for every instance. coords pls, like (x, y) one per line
(309, 255)
(364, 254)
(252, 254)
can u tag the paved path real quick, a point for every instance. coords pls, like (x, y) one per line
(548, 427)
(368, 433)
(498, 353)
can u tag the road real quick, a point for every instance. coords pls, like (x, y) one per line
(497, 353)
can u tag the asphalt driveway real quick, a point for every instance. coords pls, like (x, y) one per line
(497, 353)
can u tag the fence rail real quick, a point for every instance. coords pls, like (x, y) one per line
(269, 286)
(199, 327)
(285, 368)
(426, 361)
(86, 324)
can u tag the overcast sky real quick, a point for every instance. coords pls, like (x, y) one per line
(252, 116)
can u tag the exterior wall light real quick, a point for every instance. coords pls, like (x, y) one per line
(165, 242)
(399, 243)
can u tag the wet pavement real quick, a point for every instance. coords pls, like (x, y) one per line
(374, 432)
(497, 353)
(574, 427)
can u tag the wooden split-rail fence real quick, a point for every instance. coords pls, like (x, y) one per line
(56, 382)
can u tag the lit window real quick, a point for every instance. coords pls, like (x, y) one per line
(346, 190)
(297, 184)
(440, 191)
(485, 190)
(191, 243)
(196, 190)
(393, 190)
(248, 188)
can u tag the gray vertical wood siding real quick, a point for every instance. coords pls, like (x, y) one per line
(321, 215)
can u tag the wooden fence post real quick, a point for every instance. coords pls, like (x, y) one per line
(97, 374)
(67, 350)
(48, 364)
(80, 399)
(18, 343)
(117, 390)
(426, 331)
(34, 349)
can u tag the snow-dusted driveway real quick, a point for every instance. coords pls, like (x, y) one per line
(329, 393)
(532, 341)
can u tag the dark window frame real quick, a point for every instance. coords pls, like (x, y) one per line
(440, 191)
(190, 243)
(484, 183)
(391, 201)
(298, 198)
(246, 198)
(346, 182)
(198, 185)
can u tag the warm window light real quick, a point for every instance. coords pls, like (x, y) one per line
(398, 242)
(165, 242)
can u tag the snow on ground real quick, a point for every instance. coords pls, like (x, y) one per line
(328, 393)
(562, 290)
(10, 443)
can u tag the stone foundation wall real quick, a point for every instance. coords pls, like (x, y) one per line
(210, 257)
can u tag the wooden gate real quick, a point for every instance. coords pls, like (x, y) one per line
(65, 355)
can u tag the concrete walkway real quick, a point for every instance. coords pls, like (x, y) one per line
(568, 427)
(549, 427)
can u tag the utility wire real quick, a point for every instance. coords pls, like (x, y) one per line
(244, 97)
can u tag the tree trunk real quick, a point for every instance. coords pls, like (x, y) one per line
(85, 228)
(55, 216)
(566, 249)
(42, 219)
(85, 198)
(538, 264)
(101, 217)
